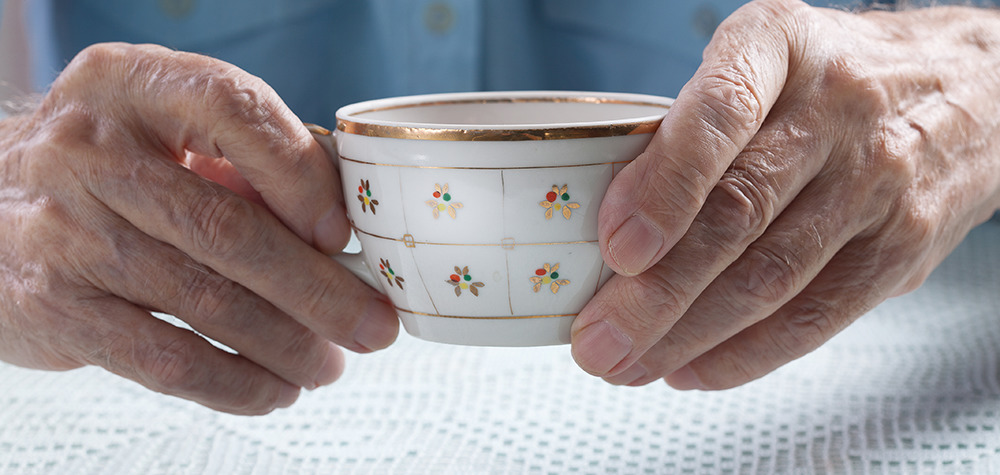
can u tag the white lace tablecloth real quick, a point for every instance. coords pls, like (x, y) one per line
(913, 387)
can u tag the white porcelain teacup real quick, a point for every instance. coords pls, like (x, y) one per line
(477, 212)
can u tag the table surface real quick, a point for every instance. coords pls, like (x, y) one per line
(912, 387)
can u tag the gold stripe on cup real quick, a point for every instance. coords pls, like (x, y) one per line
(506, 243)
(363, 162)
(555, 132)
(467, 317)
(495, 135)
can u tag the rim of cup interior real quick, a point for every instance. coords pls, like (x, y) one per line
(351, 120)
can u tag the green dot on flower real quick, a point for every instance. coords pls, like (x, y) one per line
(565, 196)
(368, 192)
(468, 277)
(447, 197)
(555, 275)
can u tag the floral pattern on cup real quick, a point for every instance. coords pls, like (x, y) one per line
(548, 275)
(389, 274)
(365, 197)
(558, 200)
(461, 280)
(446, 205)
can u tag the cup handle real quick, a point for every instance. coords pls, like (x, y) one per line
(355, 263)
(327, 139)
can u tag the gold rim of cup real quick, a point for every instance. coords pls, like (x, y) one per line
(350, 124)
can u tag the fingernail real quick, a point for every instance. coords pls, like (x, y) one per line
(287, 396)
(330, 234)
(332, 368)
(685, 379)
(630, 375)
(599, 347)
(634, 245)
(378, 328)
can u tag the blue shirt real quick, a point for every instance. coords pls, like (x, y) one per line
(321, 54)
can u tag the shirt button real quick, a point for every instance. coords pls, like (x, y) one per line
(705, 20)
(439, 17)
(177, 9)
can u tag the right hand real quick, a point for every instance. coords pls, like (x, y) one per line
(154, 180)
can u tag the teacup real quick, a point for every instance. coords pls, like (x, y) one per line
(477, 212)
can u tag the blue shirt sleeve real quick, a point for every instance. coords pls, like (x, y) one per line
(321, 54)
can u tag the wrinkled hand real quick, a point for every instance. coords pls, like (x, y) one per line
(155, 180)
(817, 163)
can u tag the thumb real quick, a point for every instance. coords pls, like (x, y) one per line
(651, 203)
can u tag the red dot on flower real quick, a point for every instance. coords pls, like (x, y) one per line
(380, 266)
(437, 194)
(551, 196)
(455, 277)
(540, 272)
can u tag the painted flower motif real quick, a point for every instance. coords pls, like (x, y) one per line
(389, 274)
(365, 197)
(548, 275)
(558, 200)
(461, 280)
(446, 205)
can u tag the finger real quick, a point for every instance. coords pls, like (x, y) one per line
(247, 245)
(132, 343)
(188, 102)
(765, 177)
(652, 202)
(772, 271)
(844, 291)
(155, 275)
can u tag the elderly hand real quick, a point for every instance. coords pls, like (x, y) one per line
(152, 180)
(817, 163)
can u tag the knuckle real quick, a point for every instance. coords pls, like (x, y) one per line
(845, 76)
(730, 103)
(94, 59)
(119, 68)
(892, 151)
(768, 10)
(770, 276)
(741, 208)
(219, 226)
(212, 298)
(844, 73)
(690, 179)
(236, 95)
(240, 99)
(803, 330)
(170, 367)
(689, 182)
(654, 302)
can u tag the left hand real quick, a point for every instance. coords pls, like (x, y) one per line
(818, 162)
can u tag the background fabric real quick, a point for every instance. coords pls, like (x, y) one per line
(912, 387)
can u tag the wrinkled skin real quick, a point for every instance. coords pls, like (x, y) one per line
(152, 180)
(818, 163)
